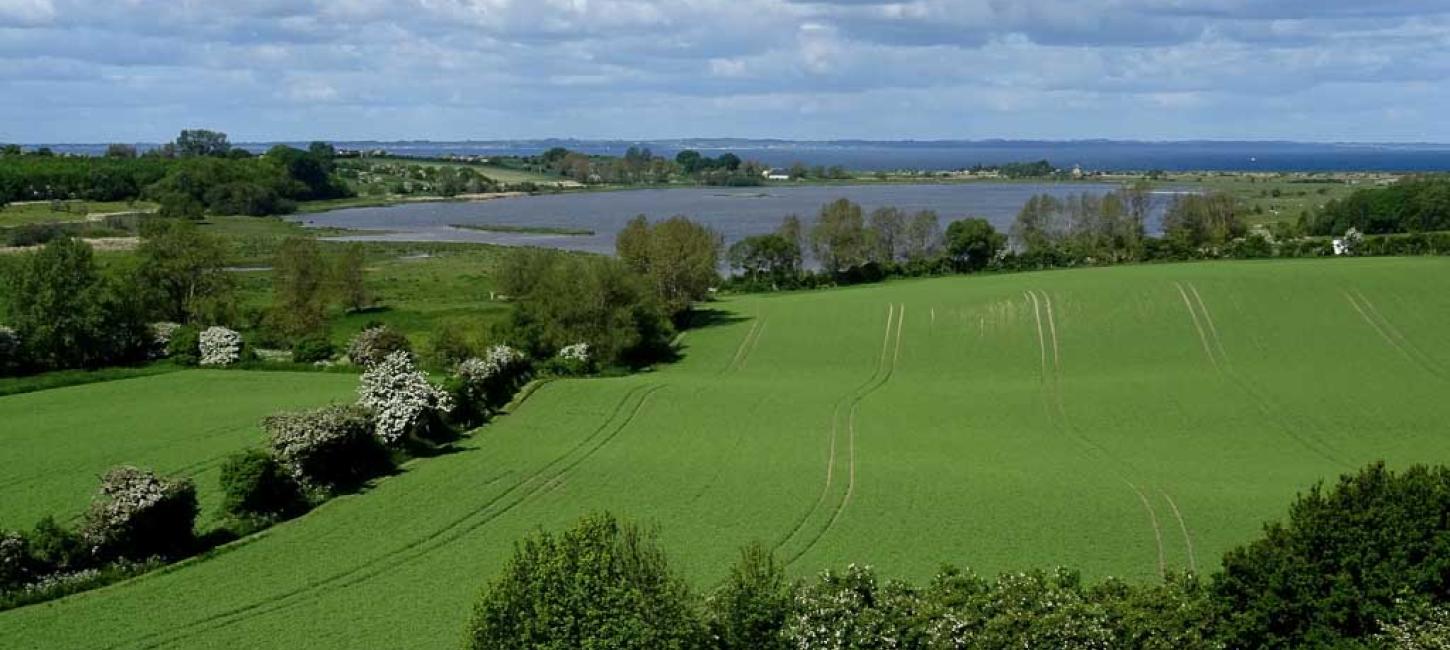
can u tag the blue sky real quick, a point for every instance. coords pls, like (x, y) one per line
(139, 70)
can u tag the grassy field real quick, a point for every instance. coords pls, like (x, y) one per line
(1122, 421)
(180, 424)
(19, 214)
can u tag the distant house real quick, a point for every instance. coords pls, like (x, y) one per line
(776, 175)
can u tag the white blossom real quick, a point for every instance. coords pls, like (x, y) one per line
(220, 346)
(578, 352)
(497, 360)
(1353, 241)
(125, 493)
(400, 396)
(161, 334)
(300, 440)
(374, 344)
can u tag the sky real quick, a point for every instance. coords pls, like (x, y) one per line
(1309, 70)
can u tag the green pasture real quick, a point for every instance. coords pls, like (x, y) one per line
(30, 212)
(58, 442)
(1122, 421)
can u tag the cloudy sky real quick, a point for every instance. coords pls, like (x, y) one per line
(139, 70)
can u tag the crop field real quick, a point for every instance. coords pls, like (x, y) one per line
(57, 442)
(1123, 421)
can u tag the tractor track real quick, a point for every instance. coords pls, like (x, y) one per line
(450, 532)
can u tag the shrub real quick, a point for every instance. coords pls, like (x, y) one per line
(137, 515)
(161, 335)
(402, 400)
(56, 548)
(374, 344)
(256, 487)
(851, 610)
(1341, 562)
(574, 360)
(220, 346)
(449, 347)
(185, 345)
(1424, 628)
(487, 384)
(602, 584)
(14, 560)
(10, 360)
(330, 448)
(749, 611)
(312, 349)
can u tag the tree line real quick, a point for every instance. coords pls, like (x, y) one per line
(1411, 205)
(200, 172)
(1358, 563)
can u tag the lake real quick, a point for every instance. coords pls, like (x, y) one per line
(734, 212)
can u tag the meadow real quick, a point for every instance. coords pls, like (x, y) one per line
(184, 423)
(1123, 421)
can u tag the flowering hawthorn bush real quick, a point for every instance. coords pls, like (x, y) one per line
(374, 344)
(483, 385)
(327, 448)
(161, 334)
(400, 397)
(137, 515)
(220, 346)
(14, 558)
(576, 359)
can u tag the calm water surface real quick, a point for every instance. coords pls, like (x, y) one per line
(734, 212)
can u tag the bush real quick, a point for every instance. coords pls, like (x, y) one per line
(375, 343)
(851, 610)
(161, 335)
(184, 347)
(450, 347)
(330, 449)
(313, 349)
(602, 584)
(10, 360)
(220, 346)
(136, 515)
(402, 400)
(1342, 562)
(487, 384)
(14, 560)
(749, 611)
(55, 548)
(256, 488)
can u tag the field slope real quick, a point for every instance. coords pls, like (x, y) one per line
(1123, 421)
(57, 442)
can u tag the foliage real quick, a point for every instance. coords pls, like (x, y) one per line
(972, 243)
(1335, 569)
(161, 335)
(749, 611)
(487, 383)
(1414, 204)
(677, 256)
(402, 400)
(183, 271)
(299, 288)
(69, 315)
(332, 448)
(15, 567)
(1203, 219)
(839, 239)
(347, 277)
(184, 346)
(601, 584)
(1424, 628)
(219, 346)
(256, 487)
(563, 299)
(312, 349)
(376, 343)
(10, 359)
(137, 515)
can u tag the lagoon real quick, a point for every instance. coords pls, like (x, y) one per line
(734, 212)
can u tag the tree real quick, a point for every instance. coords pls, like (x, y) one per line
(68, 315)
(749, 611)
(348, 282)
(201, 142)
(887, 229)
(922, 236)
(678, 256)
(632, 244)
(1343, 562)
(839, 237)
(766, 257)
(299, 283)
(689, 161)
(183, 273)
(601, 584)
(972, 243)
(1037, 227)
(124, 151)
(1200, 220)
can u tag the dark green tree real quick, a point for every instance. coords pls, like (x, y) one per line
(749, 611)
(973, 242)
(601, 584)
(182, 271)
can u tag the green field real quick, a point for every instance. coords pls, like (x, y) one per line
(57, 442)
(1122, 421)
(18, 214)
